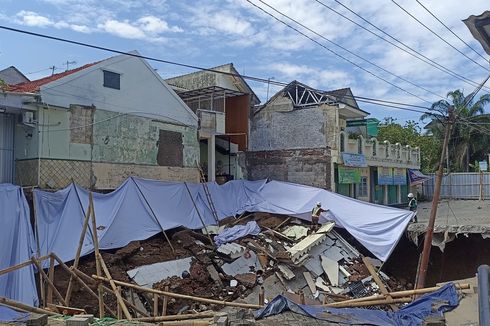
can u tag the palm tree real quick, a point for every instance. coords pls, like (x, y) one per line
(470, 136)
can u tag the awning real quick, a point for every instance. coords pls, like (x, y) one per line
(417, 177)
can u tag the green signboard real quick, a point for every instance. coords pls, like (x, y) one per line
(349, 175)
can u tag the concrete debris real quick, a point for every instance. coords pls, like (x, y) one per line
(246, 263)
(310, 281)
(37, 320)
(287, 273)
(331, 268)
(149, 274)
(296, 232)
(300, 249)
(232, 250)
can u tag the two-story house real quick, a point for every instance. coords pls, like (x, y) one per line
(222, 100)
(97, 125)
(323, 139)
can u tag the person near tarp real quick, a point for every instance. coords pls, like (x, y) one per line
(412, 205)
(315, 216)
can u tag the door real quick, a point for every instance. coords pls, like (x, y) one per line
(6, 148)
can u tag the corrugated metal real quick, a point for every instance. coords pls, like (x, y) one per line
(6, 147)
(460, 186)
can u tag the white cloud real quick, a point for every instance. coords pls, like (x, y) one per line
(147, 28)
(154, 24)
(33, 19)
(121, 29)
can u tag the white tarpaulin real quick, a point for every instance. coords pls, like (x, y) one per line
(16, 246)
(140, 208)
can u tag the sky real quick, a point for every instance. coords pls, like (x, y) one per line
(209, 33)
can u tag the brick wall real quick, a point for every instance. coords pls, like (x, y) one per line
(310, 167)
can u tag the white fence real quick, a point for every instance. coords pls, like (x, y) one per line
(464, 185)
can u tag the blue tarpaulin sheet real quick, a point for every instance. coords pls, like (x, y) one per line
(16, 246)
(435, 303)
(8, 315)
(237, 232)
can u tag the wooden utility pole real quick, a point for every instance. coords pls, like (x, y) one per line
(424, 260)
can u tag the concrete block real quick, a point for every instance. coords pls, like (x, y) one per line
(243, 322)
(434, 321)
(90, 317)
(222, 321)
(218, 315)
(77, 321)
(37, 320)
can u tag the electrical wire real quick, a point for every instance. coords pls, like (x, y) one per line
(349, 51)
(439, 37)
(335, 53)
(452, 32)
(252, 78)
(414, 53)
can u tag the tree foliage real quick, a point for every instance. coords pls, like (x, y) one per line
(410, 133)
(470, 134)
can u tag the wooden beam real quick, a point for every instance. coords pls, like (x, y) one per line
(49, 295)
(205, 314)
(114, 288)
(369, 303)
(379, 282)
(180, 296)
(165, 302)
(50, 283)
(25, 307)
(21, 265)
(95, 241)
(79, 280)
(79, 250)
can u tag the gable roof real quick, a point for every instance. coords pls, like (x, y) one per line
(34, 85)
(12, 75)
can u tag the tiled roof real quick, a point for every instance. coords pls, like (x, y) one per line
(34, 85)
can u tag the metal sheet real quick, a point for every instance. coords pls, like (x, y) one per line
(465, 185)
(6, 148)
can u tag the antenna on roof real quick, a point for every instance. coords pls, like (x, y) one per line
(68, 63)
(53, 68)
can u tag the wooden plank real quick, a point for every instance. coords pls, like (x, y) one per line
(155, 305)
(310, 281)
(42, 274)
(379, 282)
(49, 295)
(165, 302)
(79, 249)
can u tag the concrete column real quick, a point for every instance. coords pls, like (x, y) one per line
(211, 158)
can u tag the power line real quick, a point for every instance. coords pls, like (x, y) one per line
(335, 53)
(452, 32)
(416, 54)
(439, 37)
(256, 79)
(351, 52)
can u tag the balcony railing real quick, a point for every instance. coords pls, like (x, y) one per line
(376, 151)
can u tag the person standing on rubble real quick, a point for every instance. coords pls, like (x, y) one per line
(315, 216)
(412, 205)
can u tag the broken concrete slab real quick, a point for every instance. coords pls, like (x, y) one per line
(232, 250)
(147, 275)
(213, 273)
(37, 320)
(296, 232)
(310, 281)
(286, 272)
(300, 249)
(77, 321)
(244, 264)
(331, 268)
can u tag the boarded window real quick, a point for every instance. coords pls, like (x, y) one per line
(81, 124)
(112, 79)
(170, 148)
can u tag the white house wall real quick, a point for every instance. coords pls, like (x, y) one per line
(142, 91)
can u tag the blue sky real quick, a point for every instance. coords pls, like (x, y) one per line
(208, 33)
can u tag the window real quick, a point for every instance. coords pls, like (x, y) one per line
(359, 145)
(112, 79)
(375, 150)
(342, 142)
(362, 188)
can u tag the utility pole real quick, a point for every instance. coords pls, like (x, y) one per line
(424, 259)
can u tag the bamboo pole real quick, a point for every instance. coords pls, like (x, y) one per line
(106, 289)
(369, 303)
(21, 265)
(114, 288)
(154, 215)
(155, 305)
(119, 311)
(24, 307)
(399, 294)
(79, 280)
(79, 250)
(379, 282)
(165, 302)
(38, 252)
(49, 295)
(42, 274)
(198, 213)
(95, 240)
(180, 296)
(205, 314)
(191, 322)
